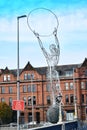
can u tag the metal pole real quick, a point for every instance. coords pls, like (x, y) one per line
(60, 113)
(32, 100)
(60, 108)
(18, 77)
(51, 84)
(74, 96)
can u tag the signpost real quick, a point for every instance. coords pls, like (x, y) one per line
(18, 105)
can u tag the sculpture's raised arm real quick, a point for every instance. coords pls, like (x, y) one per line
(56, 39)
(41, 45)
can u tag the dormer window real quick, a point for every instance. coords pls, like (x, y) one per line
(25, 76)
(28, 76)
(69, 73)
(6, 77)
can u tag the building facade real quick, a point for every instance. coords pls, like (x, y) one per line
(35, 90)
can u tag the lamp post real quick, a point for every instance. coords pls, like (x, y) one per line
(75, 95)
(60, 109)
(18, 78)
(32, 100)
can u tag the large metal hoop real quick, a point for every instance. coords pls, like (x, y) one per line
(42, 35)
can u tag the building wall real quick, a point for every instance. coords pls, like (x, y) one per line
(40, 93)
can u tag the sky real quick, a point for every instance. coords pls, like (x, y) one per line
(72, 31)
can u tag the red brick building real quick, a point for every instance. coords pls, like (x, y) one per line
(33, 83)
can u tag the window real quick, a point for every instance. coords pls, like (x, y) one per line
(24, 89)
(86, 98)
(48, 87)
(25, 100)
(29, 101)
(6, 77)
(82, 98)
(48, 100)
(58, 86)
(2, 89)
(66, 86)
(82, 85)
(86, 110)
(86, 85)
(33, 87)
(28, 76)
(10, 101)
(2, 100)
(34, 100)
(10, 89)
(71, 98)
(29, 88)
(32, 76)
(69, 73)
(71, 85)
(25, 76)
(85, 72)
(67, 99)
(29, 117)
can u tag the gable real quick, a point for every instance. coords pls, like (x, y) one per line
(28, 67)
(84, 64)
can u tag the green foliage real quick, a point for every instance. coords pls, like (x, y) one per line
(5, 113)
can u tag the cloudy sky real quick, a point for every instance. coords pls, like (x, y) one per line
(72, 31)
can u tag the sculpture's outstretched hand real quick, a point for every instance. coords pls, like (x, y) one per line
(36, 34)
(55, 32)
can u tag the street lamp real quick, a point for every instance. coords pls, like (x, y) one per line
(75, 100)
(32, 100)
(60, 109)
(18, 78)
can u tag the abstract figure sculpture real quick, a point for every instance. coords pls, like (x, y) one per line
(52, 59)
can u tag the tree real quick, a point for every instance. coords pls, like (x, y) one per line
(5, 113)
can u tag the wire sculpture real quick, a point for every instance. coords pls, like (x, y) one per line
(52, 59)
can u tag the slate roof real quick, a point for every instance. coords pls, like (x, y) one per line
(42, 70)
(61, 69)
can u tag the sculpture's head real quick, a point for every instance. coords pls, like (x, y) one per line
(52, 48)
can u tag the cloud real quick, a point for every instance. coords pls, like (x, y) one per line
(69, 24)
(73, 27)
(72, 31)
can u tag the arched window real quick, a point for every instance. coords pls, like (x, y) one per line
(48, 100)
(25, 101)
(29, 100)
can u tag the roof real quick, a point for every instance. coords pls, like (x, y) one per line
(84, 63)
(43, 70)
(61, 69)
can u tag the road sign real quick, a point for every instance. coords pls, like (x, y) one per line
(18, 105)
